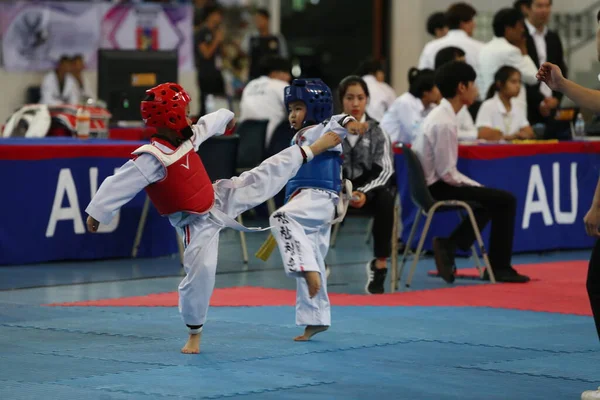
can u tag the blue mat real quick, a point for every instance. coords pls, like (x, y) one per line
(248, 352)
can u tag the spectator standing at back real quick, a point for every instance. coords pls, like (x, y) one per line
(461, 22)
(381, 95)
(522, 6)
(263, 98)
(208, 42)
(59, 86)
(508, 48)
(543, 45)
(261, 42)
(437, 25)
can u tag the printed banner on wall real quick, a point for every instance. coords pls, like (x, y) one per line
(36, 35)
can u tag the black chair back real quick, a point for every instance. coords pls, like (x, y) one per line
(33, 95)
(417, 186)
(219, 156)
(251, 150)
(281, 138)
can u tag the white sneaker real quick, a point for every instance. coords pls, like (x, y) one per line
(591, 395)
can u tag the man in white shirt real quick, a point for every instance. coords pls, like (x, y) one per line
(437, 149)
(466, 126)
(59, 86)
(460, 19)
(509, 48)
(543, 45)
(262, 97)
(381, 95)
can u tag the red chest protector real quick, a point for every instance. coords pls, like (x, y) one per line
(186, 185)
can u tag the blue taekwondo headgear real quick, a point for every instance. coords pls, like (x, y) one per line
(315, 94)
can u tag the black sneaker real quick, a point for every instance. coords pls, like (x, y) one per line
(443, 252)
(375, 279)
(507, 275)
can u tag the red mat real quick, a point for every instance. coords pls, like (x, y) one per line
(555, 287)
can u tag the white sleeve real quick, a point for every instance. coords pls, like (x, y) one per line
(120, 188)
(335, 124)
(425, 59)
(74, 93)
(390, 124)
(445, 148)
(525, 65)
(484, 116)
(523, 121)
(466, 126)
(213, 124)
(48, 91)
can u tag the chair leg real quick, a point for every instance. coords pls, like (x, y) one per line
(408, 245)
(420, 246)
(271, 206)
(394, 260)
(140, 229)
(477, 261)
(369, 234)
(243, 241)
(334, 234)
(484, 255)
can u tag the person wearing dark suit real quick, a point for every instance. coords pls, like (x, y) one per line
(543, 45)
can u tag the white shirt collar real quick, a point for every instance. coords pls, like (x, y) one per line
(363, 118)
(457, 32)
(499, 104)
(445, 104)
(533, 30)
(417, 102)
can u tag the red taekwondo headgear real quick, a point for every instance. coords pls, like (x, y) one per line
(165, 107)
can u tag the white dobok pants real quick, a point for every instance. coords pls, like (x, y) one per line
(302, 228)
(201, 236)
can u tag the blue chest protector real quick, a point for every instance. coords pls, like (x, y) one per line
(323, 172)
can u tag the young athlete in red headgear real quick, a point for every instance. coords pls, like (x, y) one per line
(171, 172)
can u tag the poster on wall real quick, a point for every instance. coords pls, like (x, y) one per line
(150, 27)
(36, 34)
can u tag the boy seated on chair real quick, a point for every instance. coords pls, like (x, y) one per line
(437, 150)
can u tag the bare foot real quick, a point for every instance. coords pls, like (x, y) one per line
(313, 280)
(193, 344)
(325, 142)
(310, 331)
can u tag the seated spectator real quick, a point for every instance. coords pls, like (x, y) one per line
(436, 25)
(368, 163)
(402, 121)
(59, 86)
(509, 47)
(262, 97)
(382, 94)
(460, 18)
(466, 126)
(502, 115)
(260, 42)
(77, 67)
(437, 150)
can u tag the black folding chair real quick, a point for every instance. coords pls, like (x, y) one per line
(428, 206)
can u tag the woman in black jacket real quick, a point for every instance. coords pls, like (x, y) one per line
(369, 164)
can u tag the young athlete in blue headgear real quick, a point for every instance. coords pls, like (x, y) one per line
(302, 226)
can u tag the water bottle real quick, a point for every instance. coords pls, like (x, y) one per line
(82, 123)
(579, 126)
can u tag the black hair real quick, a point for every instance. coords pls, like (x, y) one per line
(63, 59)
(506, 18)
(273, 63)
(420, 81)
(264, 12)
(459, 12)
(529, 3)
(450, 75)
(369, 67)
(435, 21)
(501, 76)
(447, 54)
(598, 16)
(77, 57)
(209, 10)
(520, 3)
(349, 81)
